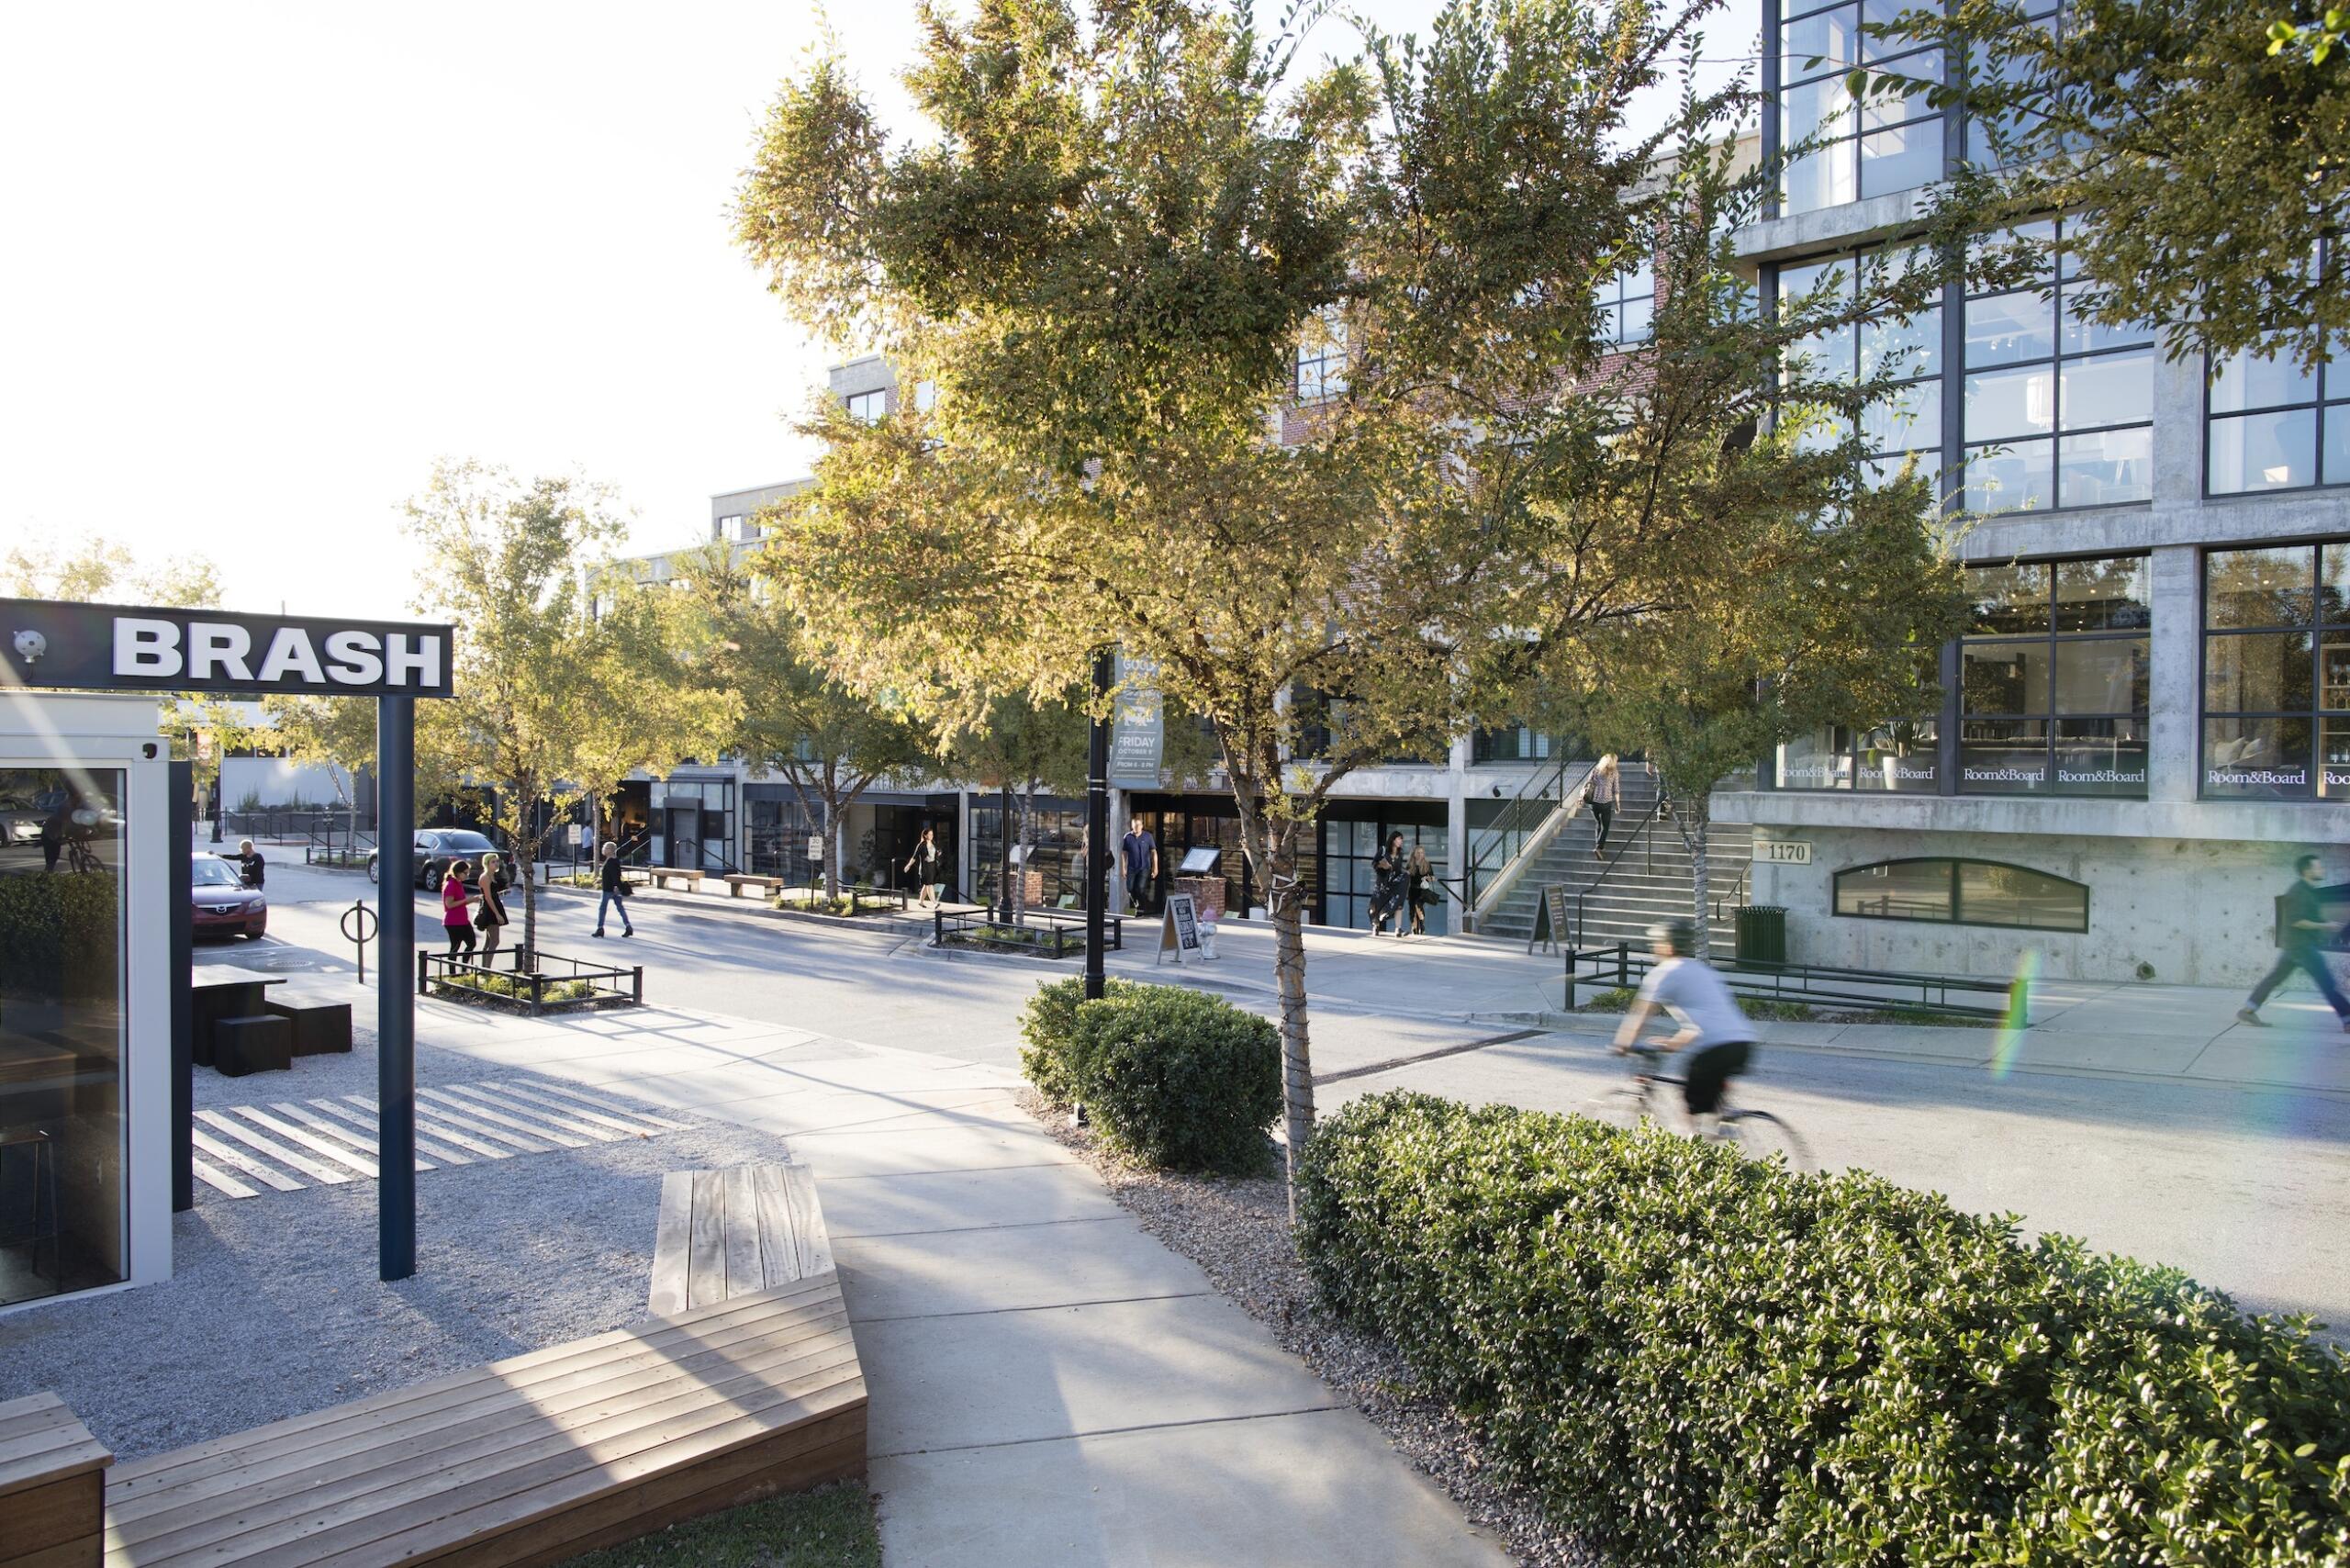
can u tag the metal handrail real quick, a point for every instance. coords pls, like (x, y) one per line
(1515, 817)
(1804, 982)
(1641, 830)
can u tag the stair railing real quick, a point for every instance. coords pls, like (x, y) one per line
(1491, 864)
(1641, 831)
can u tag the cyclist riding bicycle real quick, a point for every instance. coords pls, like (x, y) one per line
(1687, 986)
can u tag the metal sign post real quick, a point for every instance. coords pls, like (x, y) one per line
(394, 1008)
(364, 918)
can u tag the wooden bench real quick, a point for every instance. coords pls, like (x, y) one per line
(661, 877)
(52, 1486)
(725, 1233)
(529, 1461)
(737, 882)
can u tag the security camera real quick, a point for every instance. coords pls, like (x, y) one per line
(1497, 792)
(147, 750)
(30, 646)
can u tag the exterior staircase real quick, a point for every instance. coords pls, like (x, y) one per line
(1642, 877)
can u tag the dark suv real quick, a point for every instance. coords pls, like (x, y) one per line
(436, 848)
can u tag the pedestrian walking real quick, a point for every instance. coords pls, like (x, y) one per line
(1139, 850)
(1389, 889)
(490, 919)
(1419, 890)
(2300, 932)
(922, 867)
(456, 917)
(615, 890)
(1606, 788)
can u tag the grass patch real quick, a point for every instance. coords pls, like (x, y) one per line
(830, 1527)
(851, 904)
(518, 990)
(1776, 1010)
(1041, 941)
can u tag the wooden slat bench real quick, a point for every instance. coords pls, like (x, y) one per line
(529, 1461)
(724, 1233)
(52, 1486)
(737, 882)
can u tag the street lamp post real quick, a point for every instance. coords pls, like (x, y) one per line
(1097, 825)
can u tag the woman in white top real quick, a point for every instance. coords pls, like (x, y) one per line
(1604, 791)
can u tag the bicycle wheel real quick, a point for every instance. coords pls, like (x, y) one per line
(1626, 1107)
(1759, 1134)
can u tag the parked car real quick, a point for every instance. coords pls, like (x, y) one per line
(433, 850)
(224, 905)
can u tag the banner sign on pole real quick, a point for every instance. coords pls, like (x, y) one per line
(56, 644)
(1137, 729)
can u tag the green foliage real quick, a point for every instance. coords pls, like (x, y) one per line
(1048, 1024)
(1179, 1079)
(101, 572)
(832, 1526)
(514, 988)
(1705, 1360)
(2203, 151)
(58, 936)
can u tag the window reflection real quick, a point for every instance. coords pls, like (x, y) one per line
(62, 1032)
(2277, 672)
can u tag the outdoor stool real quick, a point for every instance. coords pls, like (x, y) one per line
(34, 1145)
(319, 1027)
(264, 1043)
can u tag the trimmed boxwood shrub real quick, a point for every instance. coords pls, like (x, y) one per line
(1697, 1358)
(58, 935)
(1173, 1077)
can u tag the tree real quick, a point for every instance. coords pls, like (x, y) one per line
(101, 572)
(2200, 159)
(1020, 746)
(829, 742)
(662, 707)
(536, 675)
(335, 732)
(1105, 260)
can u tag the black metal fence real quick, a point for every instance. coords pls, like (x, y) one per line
(553, 978)
(1622, 966)
(1050, 934)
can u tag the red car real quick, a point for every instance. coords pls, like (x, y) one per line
(224, 905)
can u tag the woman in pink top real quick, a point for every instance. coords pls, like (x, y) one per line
(457, 916)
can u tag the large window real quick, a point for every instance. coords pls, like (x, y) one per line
(1899, 757)
(1890, 142)
(2052, 680)
(1906, 350)
(2059, 409)
(872, 408)
(1322, 358)
(1954, 892)
(2275, 426)
(1628, 305)
(2276, 673)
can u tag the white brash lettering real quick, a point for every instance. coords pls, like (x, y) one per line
(354, 655)
(145, 647)
(291, 650)
(399, 660)
(218, 645)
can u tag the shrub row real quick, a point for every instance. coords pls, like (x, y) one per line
(58, 935)
(1172, 1077)
(1701, 1358)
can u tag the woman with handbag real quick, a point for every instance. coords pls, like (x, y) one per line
(490, 918)
(1387, 892)
(1606, 789)
(1421, 889)
(615, 890)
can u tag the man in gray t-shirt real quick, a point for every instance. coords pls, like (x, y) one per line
(1687, 987)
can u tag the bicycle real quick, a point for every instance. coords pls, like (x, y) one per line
(1758, 1135)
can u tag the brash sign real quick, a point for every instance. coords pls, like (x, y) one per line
(110, 648)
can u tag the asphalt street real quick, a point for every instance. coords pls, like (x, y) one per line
(2244, 1186)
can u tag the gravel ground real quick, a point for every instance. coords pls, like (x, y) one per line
(1239, 1232)
(274, 1308)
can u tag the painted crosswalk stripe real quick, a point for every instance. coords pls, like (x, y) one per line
(634, 1126)
(360, 1140)
(212, 1175)
(530, 1114)
(482, 1129)
(455, 1103)
(568, 1092)
(313, 1169)
(446, 1134)
(341, 1153)
(237, 1160)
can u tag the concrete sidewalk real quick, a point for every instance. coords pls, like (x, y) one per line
(1050, 1383)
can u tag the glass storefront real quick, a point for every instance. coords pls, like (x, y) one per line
(2053, 686)
(1055, 858)
(1352, 833)
(1900, 756)
(778, 828)
(693, 823)
(2276, 673)
(62, 1032)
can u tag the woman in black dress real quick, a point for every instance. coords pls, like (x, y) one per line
(1387, 895)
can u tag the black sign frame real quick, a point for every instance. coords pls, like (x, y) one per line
(63, 646)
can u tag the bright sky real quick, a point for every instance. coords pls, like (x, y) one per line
(264, 262)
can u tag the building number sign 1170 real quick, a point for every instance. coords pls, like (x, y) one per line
(1782, 851)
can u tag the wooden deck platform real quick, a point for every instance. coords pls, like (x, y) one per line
(528, 1460)
(53, 1477)
(726, 1233)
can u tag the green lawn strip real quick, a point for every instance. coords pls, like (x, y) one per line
(830, 1527)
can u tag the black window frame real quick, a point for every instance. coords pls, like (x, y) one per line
(1932, 448)
(1614, 293)
(851, 401)
(1792, 72)
(1322, 353)
(2316, 715)
(2329, 401)
(2055, 638)
(1957, 904)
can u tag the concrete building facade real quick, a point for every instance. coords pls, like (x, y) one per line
(2151, 717)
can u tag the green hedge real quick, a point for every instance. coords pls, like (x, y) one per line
(58, 935)
(1701, 1358)
(1173, 1077)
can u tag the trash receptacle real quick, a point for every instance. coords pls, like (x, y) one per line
(1761, 933)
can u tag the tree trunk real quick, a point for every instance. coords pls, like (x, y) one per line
(1027, 845)
(1289, 974)
(833, 864)
(1694, 833)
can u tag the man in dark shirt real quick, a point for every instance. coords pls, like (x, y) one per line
(1141, 852)
(2300, 931)
(250, 867)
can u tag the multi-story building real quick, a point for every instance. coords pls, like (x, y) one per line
(2151, 716)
